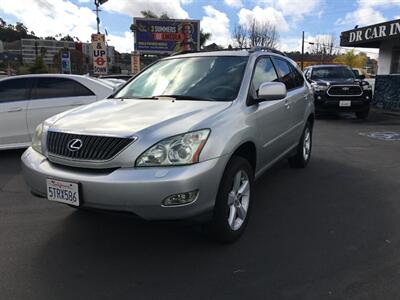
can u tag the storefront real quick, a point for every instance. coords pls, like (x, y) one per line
(386, 37)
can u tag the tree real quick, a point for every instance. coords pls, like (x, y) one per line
(149, 14)
(324, 44)
(352, 60)
(11, 33)
(262, 34)
(39, 67)
(204, 37)
(240, 36)
(67, 38)
(20, 27)
(2, 23)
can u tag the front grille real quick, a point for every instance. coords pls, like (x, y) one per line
(93, 148)
(345, 90)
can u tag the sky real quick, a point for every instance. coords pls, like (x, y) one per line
(317, 18)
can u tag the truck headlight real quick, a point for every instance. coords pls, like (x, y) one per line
(37, 139)
(367, 87)
(319, 88)
(183, 149)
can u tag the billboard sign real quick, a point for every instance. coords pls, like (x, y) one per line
(65, 62)
(99, 54)
(166, 35)
(371, 36)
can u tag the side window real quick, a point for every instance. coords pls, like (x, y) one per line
(298, 77)
(285, 72)
(13, 90)
(263, 72)
(49, 87)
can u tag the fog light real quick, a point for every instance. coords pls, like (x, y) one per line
(367, 97)
(181, 198)
(319, 97)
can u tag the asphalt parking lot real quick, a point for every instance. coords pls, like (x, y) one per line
(331, 231)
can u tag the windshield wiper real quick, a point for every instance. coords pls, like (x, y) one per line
(182, 97)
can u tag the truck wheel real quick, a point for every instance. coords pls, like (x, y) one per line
(303, 150)
(232, 206)
(362, 114)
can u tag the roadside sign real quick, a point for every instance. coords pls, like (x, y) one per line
(166, 35)
(135, 62)
(65, 62)
(99, 54)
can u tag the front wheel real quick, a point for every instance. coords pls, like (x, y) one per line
(233, 203)
(303, 150)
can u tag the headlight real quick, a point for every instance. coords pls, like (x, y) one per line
(182, 149)
(319, 88)
(37, 139)
(367, 87)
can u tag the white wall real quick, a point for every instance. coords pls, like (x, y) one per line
(385, 56)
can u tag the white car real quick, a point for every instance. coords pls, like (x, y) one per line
(28, 100)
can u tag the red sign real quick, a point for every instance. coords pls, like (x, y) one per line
(100, 61)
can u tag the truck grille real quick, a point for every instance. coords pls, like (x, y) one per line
(85, 147)
(345, 90)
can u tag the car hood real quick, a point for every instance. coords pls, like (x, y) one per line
(336, 81)
(126, 117)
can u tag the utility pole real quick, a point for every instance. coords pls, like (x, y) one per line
(98, 3)
(97, 15)
(302, 53)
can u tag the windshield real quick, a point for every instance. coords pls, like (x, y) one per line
(215, 78)
(327, 73)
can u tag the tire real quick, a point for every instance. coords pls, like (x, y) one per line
(231, 210)
(303, 150)
(362, 115)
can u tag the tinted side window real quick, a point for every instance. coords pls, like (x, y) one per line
(48, 87)
(285, 72)
(298, 77)
(263, 72)
(13, 90)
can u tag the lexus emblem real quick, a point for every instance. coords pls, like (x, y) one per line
(75, 145)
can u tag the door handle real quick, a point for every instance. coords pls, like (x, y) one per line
(76, 103)
(287, 104)
(15, 109)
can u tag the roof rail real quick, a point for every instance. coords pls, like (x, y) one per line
(251, 50)
(259, 48)
(184, 52)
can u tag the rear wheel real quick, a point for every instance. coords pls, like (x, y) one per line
(303, 150)
(233, 203)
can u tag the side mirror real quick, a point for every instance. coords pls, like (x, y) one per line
(272, 91)
(362, 77)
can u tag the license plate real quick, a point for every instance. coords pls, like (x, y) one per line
(62, 191)
(345, 103)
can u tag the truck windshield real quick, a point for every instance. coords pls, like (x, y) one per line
(326, 73)
(216, 78)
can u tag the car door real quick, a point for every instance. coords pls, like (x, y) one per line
(14, 96)
(53, 95)
(270, 117)
(296, 98)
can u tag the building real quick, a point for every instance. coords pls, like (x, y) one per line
(31, 48)
(386, 37)
(310, 59)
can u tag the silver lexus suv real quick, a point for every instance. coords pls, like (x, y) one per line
(184, 139)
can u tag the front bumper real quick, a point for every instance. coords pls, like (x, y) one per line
(136, 190)
(325, 103)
